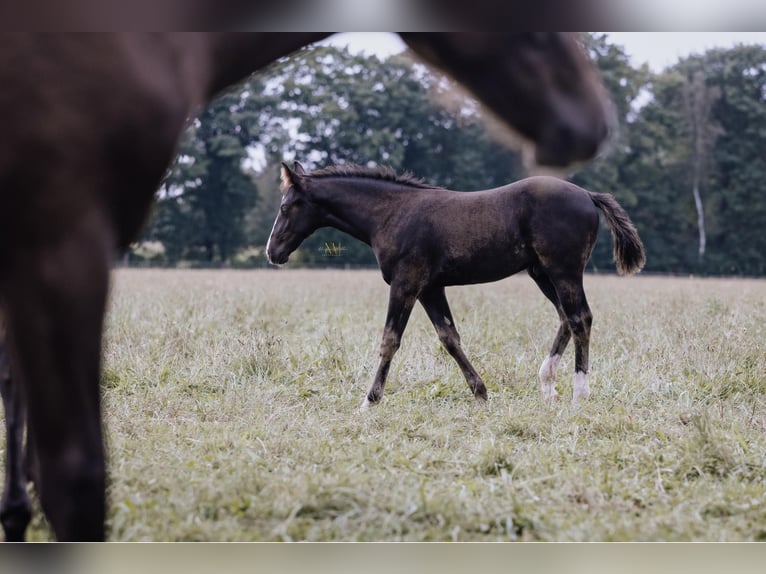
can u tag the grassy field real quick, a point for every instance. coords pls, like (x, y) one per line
(231, 401)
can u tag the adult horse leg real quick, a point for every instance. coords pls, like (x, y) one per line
(15, 509)
(435, 303)
(550, 365)
(401, 299)
(579, 317)
(56, 298)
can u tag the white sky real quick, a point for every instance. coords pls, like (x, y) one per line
(659, 49)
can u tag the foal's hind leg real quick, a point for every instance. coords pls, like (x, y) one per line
(400, 301)
(578, 314)
(435, 303)
(15, 509)
(550, 365)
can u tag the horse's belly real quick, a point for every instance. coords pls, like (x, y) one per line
(481, 270)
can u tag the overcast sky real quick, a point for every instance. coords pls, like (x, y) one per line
(659, 49)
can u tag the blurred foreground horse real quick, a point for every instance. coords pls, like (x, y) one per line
(90, 125)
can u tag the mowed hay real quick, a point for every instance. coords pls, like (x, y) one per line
(230, 406)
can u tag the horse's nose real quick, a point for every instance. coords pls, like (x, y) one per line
(274, 256)
(269, 256)
(576, 136)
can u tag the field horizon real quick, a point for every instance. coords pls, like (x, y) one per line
(230, 401)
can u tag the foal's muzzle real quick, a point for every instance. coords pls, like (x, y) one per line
(278, 259)
(277, 256)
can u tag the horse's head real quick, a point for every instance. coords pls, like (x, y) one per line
(541, 84)
(298, 216)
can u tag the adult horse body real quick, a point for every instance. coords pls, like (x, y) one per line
(426, 238)
(90, 124)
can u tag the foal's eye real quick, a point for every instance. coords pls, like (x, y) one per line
(284, 209)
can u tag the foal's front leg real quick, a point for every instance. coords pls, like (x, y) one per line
(434, 301)
(401, 298)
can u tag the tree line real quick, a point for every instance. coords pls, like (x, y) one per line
(687, 158)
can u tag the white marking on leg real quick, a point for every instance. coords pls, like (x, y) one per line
(581, 387)
(446, 320)
(365, 406)
(547, 376)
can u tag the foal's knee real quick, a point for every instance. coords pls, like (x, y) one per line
(580, 323)
(449, 339)
(587, 318)
(389, 345)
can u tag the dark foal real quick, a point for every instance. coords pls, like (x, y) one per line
(90, 124)
(426, 238)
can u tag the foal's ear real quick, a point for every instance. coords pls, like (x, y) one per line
(290, 177)
(298, 169)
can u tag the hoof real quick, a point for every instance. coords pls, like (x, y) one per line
(550, 395)
(577, 400)
(581, 388)
(365, 406)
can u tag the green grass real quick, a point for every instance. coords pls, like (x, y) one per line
(231, 399)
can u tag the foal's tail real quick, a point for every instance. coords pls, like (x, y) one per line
(629, 253)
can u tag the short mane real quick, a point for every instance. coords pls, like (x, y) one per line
(384, 173)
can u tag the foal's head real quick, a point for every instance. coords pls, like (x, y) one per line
(298, 216)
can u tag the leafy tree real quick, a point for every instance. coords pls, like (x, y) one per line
(699, 99)
(655, 170)
(736, 242)
(722, 155)
(624, 84)
(207, 192)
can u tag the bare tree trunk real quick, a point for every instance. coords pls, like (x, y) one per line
(700, 217)
(698, 103)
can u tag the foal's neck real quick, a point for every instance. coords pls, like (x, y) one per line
(359, 206)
